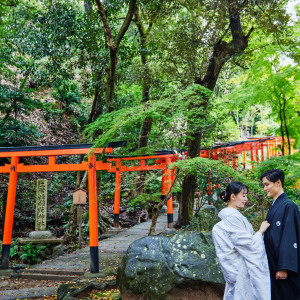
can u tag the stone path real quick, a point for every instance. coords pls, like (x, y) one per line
(80, 259)
(111, 251)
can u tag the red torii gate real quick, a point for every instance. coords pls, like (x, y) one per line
(268, 146)
(92, 165)
(162, 162)
(228, 151)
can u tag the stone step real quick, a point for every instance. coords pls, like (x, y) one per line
(52, 277)
(54, 272)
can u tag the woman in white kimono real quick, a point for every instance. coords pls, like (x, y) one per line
(240, 252)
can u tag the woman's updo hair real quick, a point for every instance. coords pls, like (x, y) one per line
(234, 187)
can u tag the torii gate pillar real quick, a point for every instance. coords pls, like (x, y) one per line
(117, 198)
(9, 213)
(93, 214)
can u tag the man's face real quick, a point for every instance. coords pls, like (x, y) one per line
(272, 188)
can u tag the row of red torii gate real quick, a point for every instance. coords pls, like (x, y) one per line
(259, 150)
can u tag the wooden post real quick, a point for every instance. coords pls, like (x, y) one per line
(268, 149)
(79, 221)
(244, 159)
(252, 156)
(256, 154)
(276, 145)
(273, 148)
(93, 214)
(227, 157)
(9, 213)
(79, 198)
(234, 158)
(262, 152)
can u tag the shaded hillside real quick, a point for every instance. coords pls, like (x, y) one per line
(54, 127)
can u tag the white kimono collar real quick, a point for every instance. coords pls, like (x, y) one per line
(229, 212)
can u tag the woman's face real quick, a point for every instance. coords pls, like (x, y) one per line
(239, 200)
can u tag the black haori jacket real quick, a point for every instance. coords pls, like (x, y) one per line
(282, 241)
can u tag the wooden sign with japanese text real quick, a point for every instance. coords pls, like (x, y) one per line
(79, 196)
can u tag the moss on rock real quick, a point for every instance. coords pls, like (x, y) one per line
(153, 266)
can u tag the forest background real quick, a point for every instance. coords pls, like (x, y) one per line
(160, 74)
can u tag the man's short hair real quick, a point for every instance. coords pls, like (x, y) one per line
(273, 175)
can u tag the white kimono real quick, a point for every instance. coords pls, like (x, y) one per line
(242, 257)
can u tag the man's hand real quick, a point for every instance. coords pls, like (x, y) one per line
(282, 274)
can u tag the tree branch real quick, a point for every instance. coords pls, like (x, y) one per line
(239, 65)
(126, 22)
(107, 30)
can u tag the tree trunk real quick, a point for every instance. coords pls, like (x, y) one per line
(158, 207)
(221, 53)
(147, 123)
(111, 72)
(187, 199)
(285, 124)
(97, 107)
(113, 46)
(281, 129)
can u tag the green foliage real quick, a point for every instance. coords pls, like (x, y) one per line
(219, 174)
(290, 164)
(271, 84)
(153, 183)
(25, 200)
(143, 201)
(170, 114)
(61, 40)
(13, 248)
(67, 93)
(59, 180)
(30, 253)
(14, 131)
(61, 186)
(203, 220)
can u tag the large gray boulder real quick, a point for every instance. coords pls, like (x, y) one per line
(182, 266)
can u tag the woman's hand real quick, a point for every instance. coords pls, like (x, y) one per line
(264, 226)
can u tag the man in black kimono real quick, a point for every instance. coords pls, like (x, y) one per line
(282, 239)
